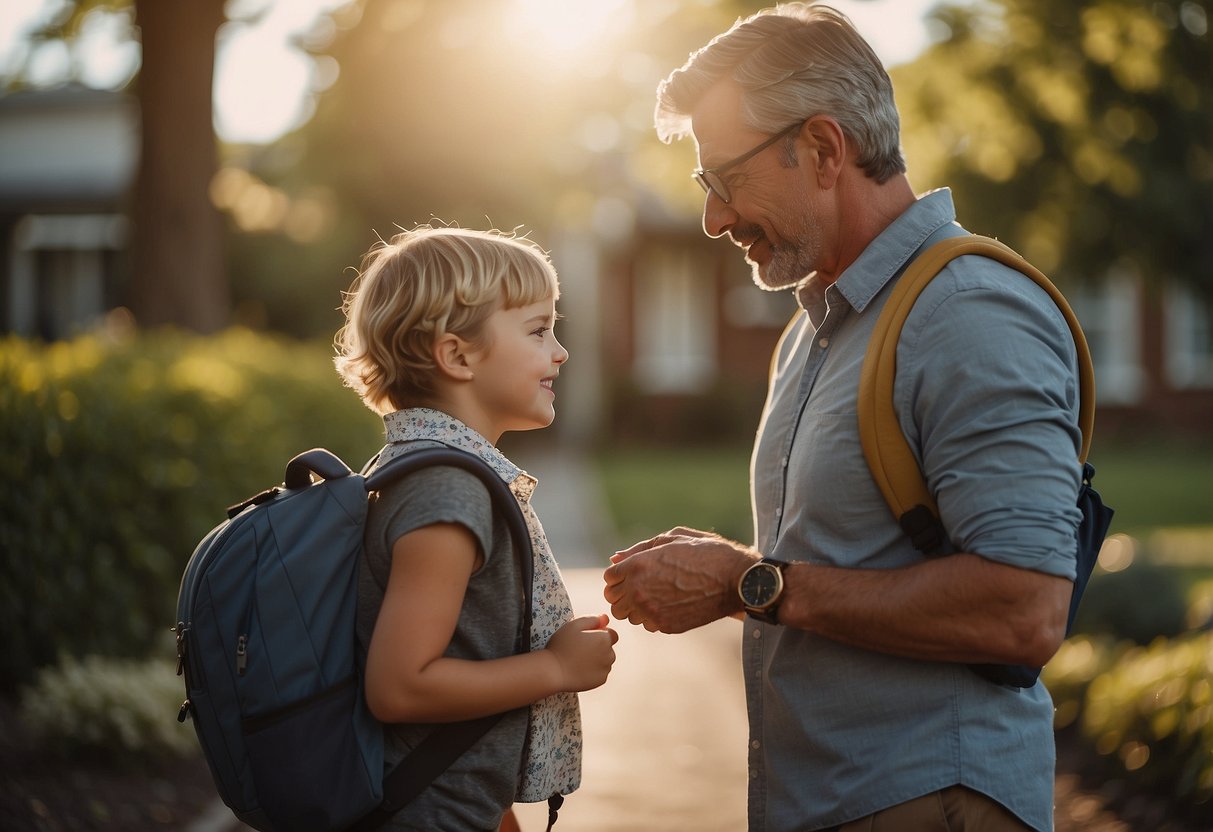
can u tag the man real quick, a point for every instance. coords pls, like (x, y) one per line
(863, 711)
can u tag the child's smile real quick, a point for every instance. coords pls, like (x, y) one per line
(521, 353)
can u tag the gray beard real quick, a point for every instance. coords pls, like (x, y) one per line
(792, 263)
(786, 279)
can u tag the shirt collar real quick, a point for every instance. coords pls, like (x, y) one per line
(888, 254)
(426, 424)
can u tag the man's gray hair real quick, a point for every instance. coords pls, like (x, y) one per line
(792, 62)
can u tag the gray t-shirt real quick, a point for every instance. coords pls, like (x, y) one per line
(476, 790)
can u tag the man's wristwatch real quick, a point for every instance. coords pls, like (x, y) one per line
(761, 589)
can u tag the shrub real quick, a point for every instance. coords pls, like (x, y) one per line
(120, 452)
(113, 710)
(1140, 603)
(1143, 715)
(1200, 605)
(1069, 673)
(1150, 715)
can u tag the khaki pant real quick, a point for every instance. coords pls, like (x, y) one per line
(954, 809)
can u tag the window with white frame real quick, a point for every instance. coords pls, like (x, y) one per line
(1188, 339)
(1110, 315)
(675, 317)
(61, 270)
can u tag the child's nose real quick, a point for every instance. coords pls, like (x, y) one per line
(561, 355)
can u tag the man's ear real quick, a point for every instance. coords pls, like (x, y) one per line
(829, 144)
(451, 357)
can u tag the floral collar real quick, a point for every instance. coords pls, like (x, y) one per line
(426, 424)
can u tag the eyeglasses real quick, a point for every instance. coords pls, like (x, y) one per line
(711, 180)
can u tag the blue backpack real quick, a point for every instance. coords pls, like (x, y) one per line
(266, 642)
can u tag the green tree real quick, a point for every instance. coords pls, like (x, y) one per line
(1080, 133)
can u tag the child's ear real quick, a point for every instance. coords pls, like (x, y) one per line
(451, 357)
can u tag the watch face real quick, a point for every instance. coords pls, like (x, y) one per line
(760, 585)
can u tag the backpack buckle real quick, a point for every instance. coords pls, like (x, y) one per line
(924, 529)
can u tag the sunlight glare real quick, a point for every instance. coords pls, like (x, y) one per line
(264, 82)
(109, 59)
(258, 86)
(571, 25)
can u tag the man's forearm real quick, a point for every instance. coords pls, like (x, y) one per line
(961, 608)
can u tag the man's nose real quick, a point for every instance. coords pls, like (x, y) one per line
(718, 216)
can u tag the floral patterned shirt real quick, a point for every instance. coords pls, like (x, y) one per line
(552, 757)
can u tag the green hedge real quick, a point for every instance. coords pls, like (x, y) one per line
(119, 452)
(1138, 604)
(1135, 687)
(1143, 715)
(1150, 716)
(117, 711)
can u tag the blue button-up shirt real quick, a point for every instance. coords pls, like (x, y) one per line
(987, 394)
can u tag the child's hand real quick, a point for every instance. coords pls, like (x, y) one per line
(584, 649)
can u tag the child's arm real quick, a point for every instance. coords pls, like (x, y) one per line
(408, 679)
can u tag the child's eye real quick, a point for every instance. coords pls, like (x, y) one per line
(543, 329)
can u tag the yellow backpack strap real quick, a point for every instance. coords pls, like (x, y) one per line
(885, 447)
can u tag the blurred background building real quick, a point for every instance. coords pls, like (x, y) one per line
(542, 124)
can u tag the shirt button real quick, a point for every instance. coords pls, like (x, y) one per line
(823, 343)
(784, 462)
(753, 774)
(757, 632)
(779, 511)
(755, 744)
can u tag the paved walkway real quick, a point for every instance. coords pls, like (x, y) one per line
(665, 736)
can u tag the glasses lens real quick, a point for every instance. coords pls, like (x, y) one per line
(712, 184)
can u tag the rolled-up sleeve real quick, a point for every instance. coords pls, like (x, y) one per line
(987, 389)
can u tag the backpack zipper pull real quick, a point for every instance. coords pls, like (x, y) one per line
(241, 655)
(180, 631)
(184, 712)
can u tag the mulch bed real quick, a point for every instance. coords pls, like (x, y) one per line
(42, 792)
(51, 797)
(1086, 801)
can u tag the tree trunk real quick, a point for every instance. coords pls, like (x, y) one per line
(178, 268)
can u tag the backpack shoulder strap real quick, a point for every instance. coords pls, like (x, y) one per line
(504, 504)
(449, 741)
(885, 447)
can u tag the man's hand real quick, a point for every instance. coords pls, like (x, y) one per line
(677, 581)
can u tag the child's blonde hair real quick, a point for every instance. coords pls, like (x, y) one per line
(420, 285)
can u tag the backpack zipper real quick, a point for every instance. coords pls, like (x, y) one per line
(181, 630)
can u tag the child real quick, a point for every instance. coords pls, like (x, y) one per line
(449, 336)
